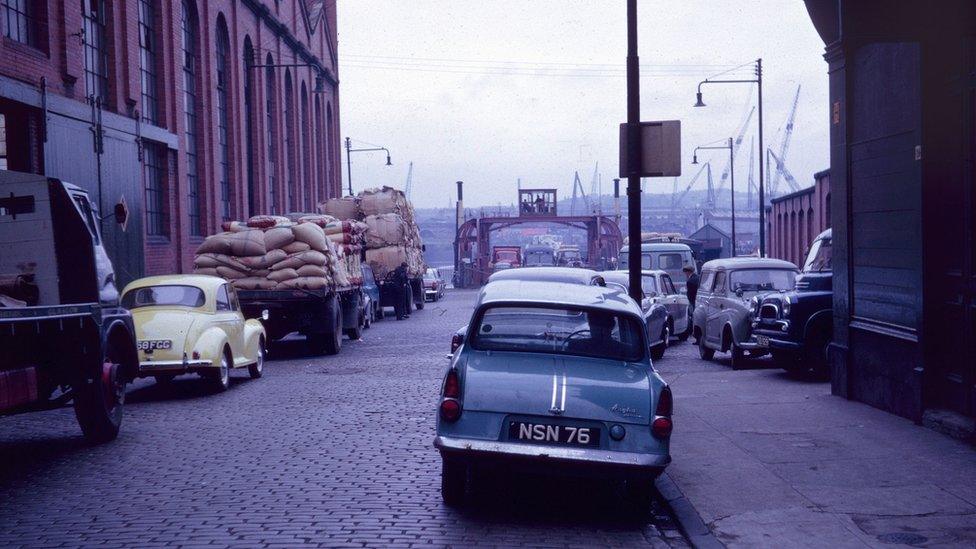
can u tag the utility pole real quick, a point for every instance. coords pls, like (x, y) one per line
(349, 165)
(762, 190)
(633, 155)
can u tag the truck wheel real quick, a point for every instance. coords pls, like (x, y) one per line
(454, 482)
(257, 369)
(220, 379)
(330, 341)
(98, 405)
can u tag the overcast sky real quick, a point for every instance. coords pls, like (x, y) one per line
(491, 91)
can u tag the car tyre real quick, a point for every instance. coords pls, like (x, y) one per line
(454, 482)
(220, 380)
(657, 352)
(98, 405)
(686, 334)
(257, 369)
(704, 352)
(738, 357)
(356, 332)
(639, 496)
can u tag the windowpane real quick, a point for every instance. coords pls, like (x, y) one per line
(96, 51)
(223, 101)
(269, 94)
(147, 61)
(189, 27)
(157, 222)
(19, 21)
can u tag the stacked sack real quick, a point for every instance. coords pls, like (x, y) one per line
(391, 236)
(348, 238)
(272, 253)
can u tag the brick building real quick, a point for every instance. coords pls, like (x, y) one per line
(795, 219)
(191, 111)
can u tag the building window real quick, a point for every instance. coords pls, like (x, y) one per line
(190, 86)
(157, 221)
(306, 150)
(96, 50)
(289, 134)
(269, 98)
(20, 21)
(249, 152)
(333, 175)
(147, 61)
(320, 157)
(223, 133)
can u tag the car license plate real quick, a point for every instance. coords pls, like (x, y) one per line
(542, 433)
(154, 344)
(762, 341)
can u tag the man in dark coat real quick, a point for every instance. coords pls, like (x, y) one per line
(691, 285)
(400, 288)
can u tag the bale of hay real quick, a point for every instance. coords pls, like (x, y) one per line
(386, 230)
(383, 200)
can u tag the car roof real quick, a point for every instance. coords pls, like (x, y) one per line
(623, 276)
(204, 282)
(661, 247)
(747, 263)
(560, 293)
(570, 275)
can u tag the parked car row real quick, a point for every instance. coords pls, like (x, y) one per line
(749, 307)
(554, 373)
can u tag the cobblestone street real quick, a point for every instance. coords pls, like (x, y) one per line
(332, 451)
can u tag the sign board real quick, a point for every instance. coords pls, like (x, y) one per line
(660, 149)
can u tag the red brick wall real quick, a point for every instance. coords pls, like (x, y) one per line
(796, 219)
(59, 59)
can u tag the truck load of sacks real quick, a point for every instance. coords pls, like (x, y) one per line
(279, 253)
(391, 236)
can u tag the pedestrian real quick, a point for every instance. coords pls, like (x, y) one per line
(540, 204)
(691, 284)
(400, 282)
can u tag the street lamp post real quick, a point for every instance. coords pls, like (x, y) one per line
(762, 195)
(694, 160)
(633, 155)
(350, 150)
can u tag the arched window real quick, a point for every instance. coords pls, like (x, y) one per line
(792, 239)
(272, 166)
(191, 83)
(333, 182)
(95, 39)
(801, 241)
(148, 58)
(320, 155)
(250, 154)
(223, 118)
(289, 141)
(306, 151)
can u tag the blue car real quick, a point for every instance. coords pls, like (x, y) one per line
(554, 377)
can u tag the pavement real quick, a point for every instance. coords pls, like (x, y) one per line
(771, 460)
(322, 451)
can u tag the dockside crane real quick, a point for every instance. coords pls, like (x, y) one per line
(578, 188)
(781, 169)
(784, 149)
(408, 186)
(736, 145)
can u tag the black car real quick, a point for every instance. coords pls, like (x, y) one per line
(797, 326)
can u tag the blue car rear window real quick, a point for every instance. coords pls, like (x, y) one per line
(556, 330)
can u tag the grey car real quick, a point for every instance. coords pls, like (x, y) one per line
(656, 317)
(660, 288)
(722, 317)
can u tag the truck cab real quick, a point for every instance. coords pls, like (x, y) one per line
(512, 255)
(797, 326)
(63, 336)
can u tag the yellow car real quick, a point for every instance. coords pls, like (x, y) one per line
(193, 324)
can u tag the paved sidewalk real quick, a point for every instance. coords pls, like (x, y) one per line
(773, 461)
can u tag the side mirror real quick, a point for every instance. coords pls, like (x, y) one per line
(121, 213)
(738, 291)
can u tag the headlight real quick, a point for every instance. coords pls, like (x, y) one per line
(754, 306)
(786, 306)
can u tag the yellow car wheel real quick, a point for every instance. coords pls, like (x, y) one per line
(221, 378)
(257, 369)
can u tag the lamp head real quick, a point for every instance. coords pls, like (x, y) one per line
(694, 158)
(388, 163)
(699, 103)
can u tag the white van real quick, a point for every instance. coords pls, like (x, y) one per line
(666, 256)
